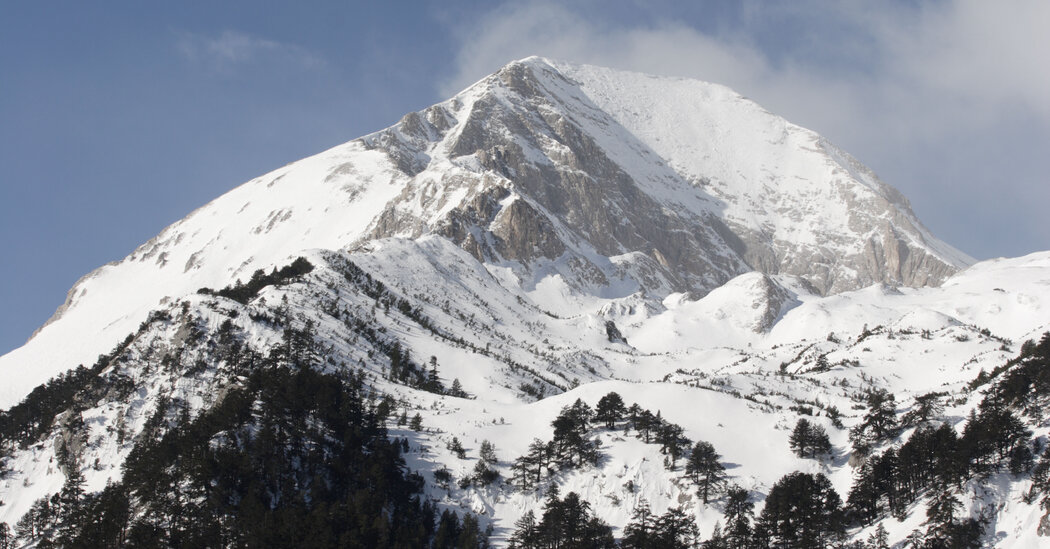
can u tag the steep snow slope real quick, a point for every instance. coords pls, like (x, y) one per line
(790, 195)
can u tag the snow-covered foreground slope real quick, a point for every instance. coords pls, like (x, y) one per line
(736, 368)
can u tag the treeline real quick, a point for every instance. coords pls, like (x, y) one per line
(293, 458)
(35, 415)
(936, 461)
(802, 511)
(244, 292)
(289, 457)
(573, 444)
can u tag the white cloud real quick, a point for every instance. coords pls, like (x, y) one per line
(231, 48)
(899, 85)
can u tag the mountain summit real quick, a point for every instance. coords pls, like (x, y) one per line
(572, 182)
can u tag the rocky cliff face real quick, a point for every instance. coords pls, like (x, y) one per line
(584, 164)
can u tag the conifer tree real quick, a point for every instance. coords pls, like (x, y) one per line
(739, 512)
(879, 539)
(456, 447)
(640, 532)
(704, 469)
(570, 444)
(879, 422)
(610, 409)
(487, 452)
(809, 440)
(802, 511)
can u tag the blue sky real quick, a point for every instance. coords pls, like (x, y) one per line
(117, 121)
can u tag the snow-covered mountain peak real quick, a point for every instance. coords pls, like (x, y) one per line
(551, 234)
(574, 182)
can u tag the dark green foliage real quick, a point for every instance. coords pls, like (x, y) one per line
(802, 511)
(739, 511)
(610, 409)
(1024, 382)
(528, 469)
(944, 530)
(35, 415)
(453, 534)
(638, 533)
(879, 422)
(483, 474)
(672, 530)
(105, 519)
(456, 447)
(293, 458)
(705, 470)
(244, 292)
(673, 442)
(809, 440)
(566, 524)
(991, 434)
(934, 459)
(571, 447)
(487, 453)
(927, 407)
(75, 390)
(457, 390)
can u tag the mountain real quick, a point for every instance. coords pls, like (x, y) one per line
(554, 232)
(577, 182)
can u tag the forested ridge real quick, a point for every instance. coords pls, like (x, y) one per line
(295, 452)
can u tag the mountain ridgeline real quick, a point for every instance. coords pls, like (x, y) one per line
(568, 307)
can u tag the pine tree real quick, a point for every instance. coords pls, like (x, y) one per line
(456, 447)
(879, 422)
(640, 532)
(673, 442)
(704, 469)
(676, 530)
(809, 440)
(570, 444)
(416, 423)
(610, 409)
(717, 539)
(488, 452)
(940, 518)
(879, 539)
(457, 389)
(739, 511)
(802, 511)
(526, 532)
